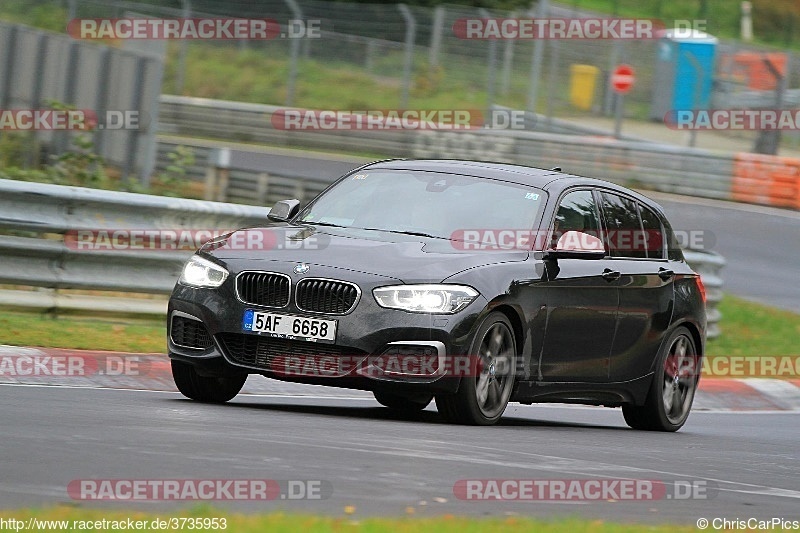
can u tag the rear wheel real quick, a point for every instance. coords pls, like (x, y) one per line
(205, 389)
(671, 393)
(403, 403)
(483, 395)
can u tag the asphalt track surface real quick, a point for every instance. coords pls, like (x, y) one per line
(381, 462)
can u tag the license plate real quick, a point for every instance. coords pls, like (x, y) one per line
(289, 326)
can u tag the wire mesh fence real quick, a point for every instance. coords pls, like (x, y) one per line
(379, 56)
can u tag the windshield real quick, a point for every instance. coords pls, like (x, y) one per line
(425, 203)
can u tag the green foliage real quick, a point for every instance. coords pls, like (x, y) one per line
(48, 15)
(172, 182)
(81, 166)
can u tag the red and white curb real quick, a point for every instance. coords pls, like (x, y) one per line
(149, 371)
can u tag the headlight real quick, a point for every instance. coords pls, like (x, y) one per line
(445, 299)
(199, 272)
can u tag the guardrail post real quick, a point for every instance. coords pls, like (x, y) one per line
(262, 188)
(218, 175)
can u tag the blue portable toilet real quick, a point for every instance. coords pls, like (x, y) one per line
(684, 71)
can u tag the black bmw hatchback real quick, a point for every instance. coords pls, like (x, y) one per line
(472, 283)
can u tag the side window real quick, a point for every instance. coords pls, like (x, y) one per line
(653, 232)
(625, 235)
(674, 252)
(577, 212)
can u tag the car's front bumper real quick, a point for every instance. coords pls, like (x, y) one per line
(365, 332)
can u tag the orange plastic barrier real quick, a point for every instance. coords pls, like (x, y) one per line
(766, 179)
(749, 68)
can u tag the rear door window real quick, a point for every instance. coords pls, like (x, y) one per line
(625, 237)
(653, 232)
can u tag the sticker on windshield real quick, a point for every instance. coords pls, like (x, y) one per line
(360, 176)
(531, 196)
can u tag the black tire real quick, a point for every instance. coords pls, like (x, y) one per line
(483, 395)
(205, 389)
(403, 403)
(669, 400)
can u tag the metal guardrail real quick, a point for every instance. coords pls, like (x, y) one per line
(46, 261)
(709, 265)
(665, 168)
(38, 256)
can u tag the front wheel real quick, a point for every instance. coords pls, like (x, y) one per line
(483, 395)
(671, 393)
(205, 389)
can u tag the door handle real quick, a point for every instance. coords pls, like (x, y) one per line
(665, 274)
(611, 275)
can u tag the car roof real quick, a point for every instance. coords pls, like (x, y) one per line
(552, 180)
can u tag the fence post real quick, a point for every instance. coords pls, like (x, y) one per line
(411, 30)
(101, 102)
(8, 66)
(436, 36)
(180, 75)
(508, 62)
(32, 158)
(555, 55)
(62, 139)
(491, 69)
(369, 55)
(536, 61)
(294, 47)
(137, 97)
(613, 61)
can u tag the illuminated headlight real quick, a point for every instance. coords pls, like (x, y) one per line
(199, 272)
(446, 299)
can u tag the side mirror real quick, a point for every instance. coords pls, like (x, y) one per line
(283, 210)
(577, 245)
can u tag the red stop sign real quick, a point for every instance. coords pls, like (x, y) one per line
(622, 79)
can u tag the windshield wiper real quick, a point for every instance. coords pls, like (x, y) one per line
(414, 233)
(329, 224)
